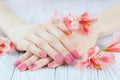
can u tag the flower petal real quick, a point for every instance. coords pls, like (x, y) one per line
(114, 46)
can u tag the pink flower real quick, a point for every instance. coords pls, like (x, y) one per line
(81, 22)
(6, 46)
(85, 21)
(115, 45)
(96, 59)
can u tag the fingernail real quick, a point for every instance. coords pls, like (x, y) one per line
(67, 32)
(75, 54)
(17, 63)
(69, 59)
(22, 66)
(51, 64)
(59, 58)
(43, 54)
(32, 66)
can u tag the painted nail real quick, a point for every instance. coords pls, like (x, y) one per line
(51, 64)
(67, 32)
(32, 66)
(59, 58)
(22, 66)
(69, 59)
(43, 54)
(75, 54)
(17, 63)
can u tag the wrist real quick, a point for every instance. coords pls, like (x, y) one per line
(12, 26)
(16, 31)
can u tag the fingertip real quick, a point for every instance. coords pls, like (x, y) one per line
(59, 58)
(75, 54)
(43, 54)
(33, 67)
(16, 63)
(67, 32)
(51, 64)
(69, 59)
(22, 66)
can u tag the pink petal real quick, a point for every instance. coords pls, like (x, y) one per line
(67, 22)
(92, 51)
(84, 29)
(105, 59)
(115, 45)
(6, 46)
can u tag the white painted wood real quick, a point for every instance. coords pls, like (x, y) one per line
(6, 66)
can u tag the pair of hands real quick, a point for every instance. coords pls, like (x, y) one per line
(47, 44)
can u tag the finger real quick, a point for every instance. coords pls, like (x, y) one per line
(63, 28)
(64, 40)
(39, 64)
(22, 58)
(61, 25)
(23, 66)
(57, 46)
(31, 47)
(47, 48)
(54, 64)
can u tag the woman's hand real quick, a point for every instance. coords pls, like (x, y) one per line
(42, 41)
(82, 43)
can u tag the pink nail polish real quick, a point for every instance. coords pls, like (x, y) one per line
(43, 54)
(75, 54)
(17, 63)
(32, 66)
(69, 59)
(22, 66)
(59, 58)
(51, 64)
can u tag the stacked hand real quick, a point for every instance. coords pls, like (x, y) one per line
(51, 43)
(47, 44)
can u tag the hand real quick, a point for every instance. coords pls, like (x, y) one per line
(41, 40)
(83, 43)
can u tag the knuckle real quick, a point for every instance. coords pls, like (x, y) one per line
(62, 38)
(41, 43)
(51, 40)
(28, 46)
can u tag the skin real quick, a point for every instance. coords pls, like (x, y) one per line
(37, 39)
(25, 42)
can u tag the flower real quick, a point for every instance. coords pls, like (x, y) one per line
(85, 21)
(6, 46)
(82, 22)
(115, 44)
(96, 59)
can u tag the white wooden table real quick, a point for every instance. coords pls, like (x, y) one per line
(8, 72)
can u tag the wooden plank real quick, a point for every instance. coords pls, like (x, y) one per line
(101, 75)
(6, 65)
(61, 73)
(73, 74)
(41, 74)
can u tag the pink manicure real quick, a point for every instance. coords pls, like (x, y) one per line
(43, 54)
(69, 59)
(32, 66)
(75, 54)
(51, 64)
(22, 66)
(17, 63)
(59, 58)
